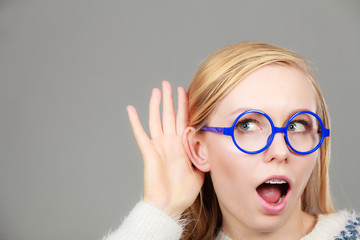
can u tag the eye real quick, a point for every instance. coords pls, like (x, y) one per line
(247, 125)
(298, 126)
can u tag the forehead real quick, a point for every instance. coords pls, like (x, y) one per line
(275, 89)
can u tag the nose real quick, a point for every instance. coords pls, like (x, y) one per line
(278, 150)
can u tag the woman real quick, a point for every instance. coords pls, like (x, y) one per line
(246, 156)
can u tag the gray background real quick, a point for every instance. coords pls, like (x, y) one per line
(70, 168)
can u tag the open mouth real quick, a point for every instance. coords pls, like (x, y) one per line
(274, 190)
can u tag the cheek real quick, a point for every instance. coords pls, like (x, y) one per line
(230, 168)
(303, 170)
(224, 158)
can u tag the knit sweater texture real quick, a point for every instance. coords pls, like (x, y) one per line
(148, 222)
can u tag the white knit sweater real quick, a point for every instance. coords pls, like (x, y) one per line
(150, 223)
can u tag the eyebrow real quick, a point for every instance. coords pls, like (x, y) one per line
(240, 110)
(231, 116)
(300, 110)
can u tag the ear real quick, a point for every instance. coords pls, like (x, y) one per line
(195, 149)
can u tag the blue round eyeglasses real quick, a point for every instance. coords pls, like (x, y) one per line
(253, 132)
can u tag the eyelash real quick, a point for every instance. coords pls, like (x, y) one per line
(247, 120)
(307, 124)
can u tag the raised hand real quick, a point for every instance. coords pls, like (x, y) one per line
(170, 181)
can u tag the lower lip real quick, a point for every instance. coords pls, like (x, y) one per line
(275, 208)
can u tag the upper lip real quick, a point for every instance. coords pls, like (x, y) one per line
(283, 177)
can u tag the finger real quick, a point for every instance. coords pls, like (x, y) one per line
(155, 128)
(182, 113)
(138, 131)
(168, 109)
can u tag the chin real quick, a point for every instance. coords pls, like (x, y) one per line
(255, 220)
(269, 223)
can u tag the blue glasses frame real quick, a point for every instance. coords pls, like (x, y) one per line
(229, 131)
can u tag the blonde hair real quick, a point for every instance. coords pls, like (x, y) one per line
(216, 77)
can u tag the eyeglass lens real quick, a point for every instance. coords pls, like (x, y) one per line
(253, 130)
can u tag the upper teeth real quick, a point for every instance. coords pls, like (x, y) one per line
(276, 181)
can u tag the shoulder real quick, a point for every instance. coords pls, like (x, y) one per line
(338, 226)
(351, 229)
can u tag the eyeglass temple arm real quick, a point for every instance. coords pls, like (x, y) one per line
(219, 130)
